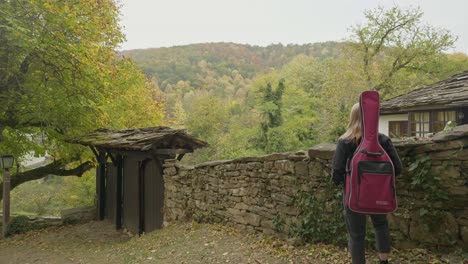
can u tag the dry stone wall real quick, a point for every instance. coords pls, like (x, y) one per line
(261, 193)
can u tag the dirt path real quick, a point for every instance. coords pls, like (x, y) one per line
(98, 242)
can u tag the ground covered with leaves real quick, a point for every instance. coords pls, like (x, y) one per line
(98, 242)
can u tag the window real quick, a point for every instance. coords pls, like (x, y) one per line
(441, 118)
(425, 123)
(397, 129)
(420, 124)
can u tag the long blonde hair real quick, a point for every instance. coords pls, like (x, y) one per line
(354, 130)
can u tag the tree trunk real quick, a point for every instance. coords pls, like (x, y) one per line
(56, 168)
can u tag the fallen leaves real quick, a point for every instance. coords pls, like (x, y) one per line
(98, 242)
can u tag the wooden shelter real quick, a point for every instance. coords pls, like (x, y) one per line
(129, 177)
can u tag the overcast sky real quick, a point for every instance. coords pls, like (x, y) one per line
(157, 23)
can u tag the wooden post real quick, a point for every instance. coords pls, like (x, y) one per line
(101, 189)
(141, 197)
(6, 202)
(119, 193)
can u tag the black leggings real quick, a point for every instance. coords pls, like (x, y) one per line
(356, 225)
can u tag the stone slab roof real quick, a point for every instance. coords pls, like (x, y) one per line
(141, 139)
(450, 93)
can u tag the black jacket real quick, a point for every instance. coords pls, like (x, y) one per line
(345, 150)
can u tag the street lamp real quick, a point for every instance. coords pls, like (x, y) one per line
(6, 162)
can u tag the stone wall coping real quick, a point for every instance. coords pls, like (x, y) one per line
(297, 156)
(445, 140)
(212, 163)
(455, 133)
(322, 151)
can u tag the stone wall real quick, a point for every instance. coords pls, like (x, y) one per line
(258, 193)
(23, 223)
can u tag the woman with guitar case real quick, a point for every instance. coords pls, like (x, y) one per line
(367, 163)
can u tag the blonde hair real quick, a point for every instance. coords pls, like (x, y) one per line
(354, 131)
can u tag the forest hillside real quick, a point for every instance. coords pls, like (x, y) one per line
(249, 100)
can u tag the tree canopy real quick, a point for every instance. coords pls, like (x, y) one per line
(60, 76)
(395, 40)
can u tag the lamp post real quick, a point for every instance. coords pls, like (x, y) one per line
(6, 162)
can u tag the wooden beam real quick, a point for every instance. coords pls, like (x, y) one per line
(180, 156)
(95, 152)
(141, 196)
(101, 185)
(172, 151)
(114, 161)
(6, 203)
(119, 193)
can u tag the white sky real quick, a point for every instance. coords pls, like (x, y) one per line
(157, 23)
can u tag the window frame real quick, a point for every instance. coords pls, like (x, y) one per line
(401, 122)
(431, 120)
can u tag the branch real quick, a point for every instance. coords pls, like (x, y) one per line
(56, 168)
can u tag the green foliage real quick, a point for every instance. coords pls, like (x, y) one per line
(340, 127)
(41, 197)
(207, 116)
(205, 217)
(270, 109)
(321, 82)
(425, 180)
(395, 42)
(197, 63)
(21, 224)
(60, 76)
(278, 223)
(52, 194)
(78, 192)
(315, 224)
(450, 126)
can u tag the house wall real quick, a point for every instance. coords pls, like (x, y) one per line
(385, 119)
(258, 193)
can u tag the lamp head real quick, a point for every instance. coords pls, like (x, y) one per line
(7, 161)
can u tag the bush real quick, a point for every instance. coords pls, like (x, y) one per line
(21, 224)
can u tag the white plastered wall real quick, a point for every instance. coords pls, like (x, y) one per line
(384, 119)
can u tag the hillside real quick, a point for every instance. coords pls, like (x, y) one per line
(251, 100)
(190, 62)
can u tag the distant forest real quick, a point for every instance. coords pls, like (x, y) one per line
(171, 65)
(251, 100)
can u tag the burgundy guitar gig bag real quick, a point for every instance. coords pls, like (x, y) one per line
(370, 178)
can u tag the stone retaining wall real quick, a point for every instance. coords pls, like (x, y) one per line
(23, 223)
(258, 193)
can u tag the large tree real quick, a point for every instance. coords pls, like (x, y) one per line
(396, 40)
(392, 52)
(60, 76)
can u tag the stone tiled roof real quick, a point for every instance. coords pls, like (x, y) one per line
(450, 93)
(141, 139)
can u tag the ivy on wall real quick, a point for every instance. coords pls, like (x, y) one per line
(424, 179)
(319, 220)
